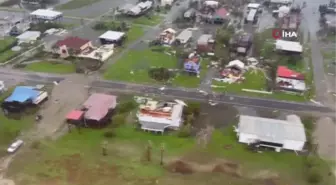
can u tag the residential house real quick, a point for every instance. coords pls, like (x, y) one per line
(290, 21)
(139, 9)
(28, 37)
(112, 37)
(42, 15)
(23, 97)
(167, 36)
(241, 42)
(185, 36)
(211, 4)
(192, 64)
(190, 14)
(289, 80)
(206, 44)
(72, 46)
(158, 116)
(273, 133)
(220, 16)
(96, 112)
(167, 2)
(288, 47)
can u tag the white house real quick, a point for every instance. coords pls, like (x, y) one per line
(46, 15)
(112, 37)
(278, 134)
(28, 37)
(167, 2)
(157, 116)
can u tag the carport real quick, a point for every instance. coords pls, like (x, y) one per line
(112, 37)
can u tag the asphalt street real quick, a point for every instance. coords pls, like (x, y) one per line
(181, 93)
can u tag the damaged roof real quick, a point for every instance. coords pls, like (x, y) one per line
(98, 106)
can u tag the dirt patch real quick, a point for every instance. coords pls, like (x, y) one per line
(180, 167)
(228, 168)
(78, 172)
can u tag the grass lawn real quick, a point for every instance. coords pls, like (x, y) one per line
(254, 81)
(7, 55)
(139, 62)
(190, 81)
(5, 43)
(71, 161)
(134, 34)
(149, 21)
(51, 67)
(74, 4)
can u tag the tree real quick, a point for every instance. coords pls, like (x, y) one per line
(223, 36)
(104, 148)
(148, 153)
(162, 149)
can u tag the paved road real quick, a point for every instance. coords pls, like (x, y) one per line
(181, 93)
(310, 24)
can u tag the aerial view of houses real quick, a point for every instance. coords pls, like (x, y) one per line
(167, 92)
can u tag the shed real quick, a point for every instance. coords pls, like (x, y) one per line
(287, 134)
(28, 36)
(46, 14)
(288, 46)
(112, 37)
(184, 36)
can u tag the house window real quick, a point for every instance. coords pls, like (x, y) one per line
(64, 51)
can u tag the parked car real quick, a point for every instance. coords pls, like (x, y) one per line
(15, 146)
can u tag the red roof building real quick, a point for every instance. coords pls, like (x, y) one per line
(284, 72)
(72, 42)
(76, 44)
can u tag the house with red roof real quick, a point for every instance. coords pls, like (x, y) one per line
(290, 80)
(72, 46)
(220, 16)
(96, 111)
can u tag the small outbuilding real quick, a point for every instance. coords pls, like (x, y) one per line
(289, 80)
(42, 15)
(184, 36)
(112, 37)
(288, 46)
(273, 133)
(28, 37)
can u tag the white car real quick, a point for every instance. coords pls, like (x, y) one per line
(15, 146)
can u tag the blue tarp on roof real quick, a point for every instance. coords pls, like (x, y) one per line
(22, 94)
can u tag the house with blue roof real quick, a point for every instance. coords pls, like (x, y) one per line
(193, 64)
(23, 96)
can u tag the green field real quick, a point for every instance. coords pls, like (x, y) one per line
(5, 49)
(149, 21)
(66, 160)
(139, 62)
(51, 67)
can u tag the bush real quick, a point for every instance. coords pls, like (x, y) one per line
(35, 145)
(185, 131)
(119, 119)
(314, 176)
(109, 134)
(126, 107)
(160, 74)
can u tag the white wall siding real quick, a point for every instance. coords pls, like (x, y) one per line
(293, 145)
(247, 138)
